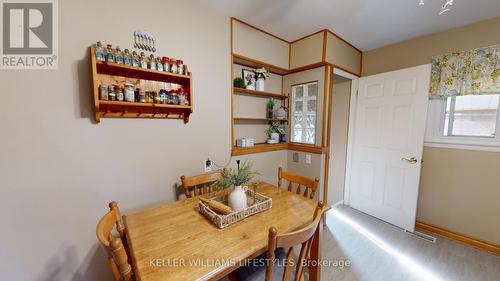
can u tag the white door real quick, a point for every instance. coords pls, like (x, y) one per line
(387, 144)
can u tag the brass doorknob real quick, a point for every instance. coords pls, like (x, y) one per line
(411, 160)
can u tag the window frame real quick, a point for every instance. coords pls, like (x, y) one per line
(434, 135)
(304, 106)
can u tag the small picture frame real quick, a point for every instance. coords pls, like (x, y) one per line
(249, 76)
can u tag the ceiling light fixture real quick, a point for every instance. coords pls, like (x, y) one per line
(446, 7)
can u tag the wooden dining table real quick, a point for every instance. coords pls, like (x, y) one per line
(173, 241)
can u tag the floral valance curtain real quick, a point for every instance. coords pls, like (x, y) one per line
(473, 72)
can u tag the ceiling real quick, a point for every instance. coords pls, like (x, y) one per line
(367, 24)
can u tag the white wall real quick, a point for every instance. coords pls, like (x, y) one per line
(58, 170)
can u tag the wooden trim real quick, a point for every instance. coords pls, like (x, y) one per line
(307, 148)
(93, 67)
(233, 142)
(346, 70)
(259, 29)
(345, 41)
(259, 119)
(328, 132)
(325, 100)
(303, 83)
(474, 242)
(307, 36)
(323, 55)
(241, 91)
(308, 67)
(258, 148)
(249, 62)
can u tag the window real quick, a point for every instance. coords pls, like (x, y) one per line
(471, 116)
(304, 109)
(469, 122)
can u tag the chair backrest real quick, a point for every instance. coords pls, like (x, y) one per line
(302, 238)
(309, 185)
(114, 247)
(199, 184)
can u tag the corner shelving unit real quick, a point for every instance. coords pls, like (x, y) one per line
(246, 120)
(107, 71)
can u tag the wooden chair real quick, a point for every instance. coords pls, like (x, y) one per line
(114, 247)
(310, 185)
(303, 239)
(199, 184)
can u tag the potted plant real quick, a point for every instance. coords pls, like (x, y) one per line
(229, 177)
(238, 82)
(270, 107)
(260, 75)
(275, 131)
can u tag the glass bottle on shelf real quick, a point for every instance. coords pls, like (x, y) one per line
(118, 55)
(142, 60)
(110, 53)
(173, 65)
(159, 64)
(119, 92)
(180, 67)
(152, 62)
(165, 61)
(111, 93)
(127, 57)
(99, 52)
(135, 59)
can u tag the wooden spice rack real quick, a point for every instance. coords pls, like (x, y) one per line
(107, 71)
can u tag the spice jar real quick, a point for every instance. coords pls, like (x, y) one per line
(142, 96)
(129, 92)
(135, 59)
(159, 64)
(163, 96)
(110, 53)
(156, 97)
(142, 60)
(180, 67)
(173, 65)
(165, 62)
(118, 55)
(175, 97)
(103, 92)
(119, 92)
(186, 72)
(127, 57)
(152, 62)
(99, 52)
(111, 93)
(148, 97)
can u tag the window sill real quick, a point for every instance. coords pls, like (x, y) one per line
(463, 144)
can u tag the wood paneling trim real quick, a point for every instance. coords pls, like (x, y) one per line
(328, 132)
(259, 29)
(258, 148)
(323, 56)
(307, 36)
(325, 100)
(308, 67)
(249, 62)
(307, 148)
(345, 41)
(347, 70)
(233, 142)
(483, 245)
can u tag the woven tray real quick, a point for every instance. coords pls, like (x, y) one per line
(262, 203)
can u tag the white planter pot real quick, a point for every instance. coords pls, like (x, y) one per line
(259, 84)
(238, 198)
(275, 136)
(250, 87)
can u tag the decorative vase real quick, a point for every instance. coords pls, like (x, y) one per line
(238, 198)
(275, 136)
(280, 113)
(259, 84)
(250, 87)
(282, 138)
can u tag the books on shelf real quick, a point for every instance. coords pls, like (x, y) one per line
(245, 142)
